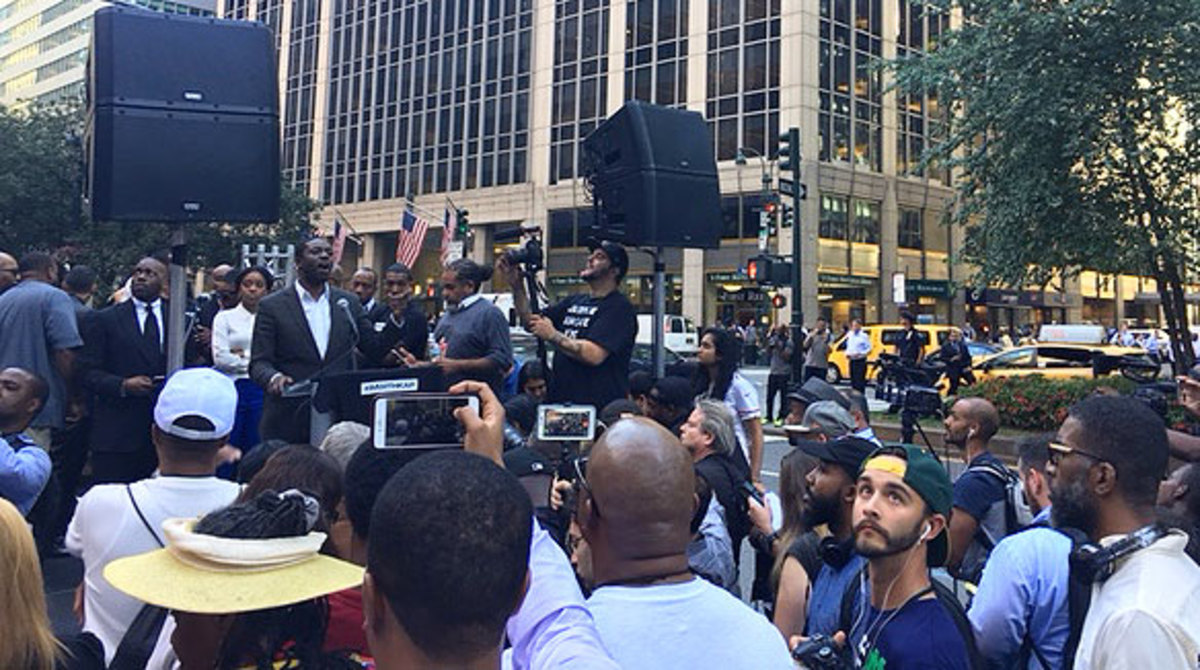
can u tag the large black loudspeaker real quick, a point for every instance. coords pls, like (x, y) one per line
(183, 121)
(652, 171)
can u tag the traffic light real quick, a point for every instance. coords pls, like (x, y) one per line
(769, 270)
(787, 216)
(778, 301)
(463, 229)
(771, 210)
(758, 268)
(789, 151)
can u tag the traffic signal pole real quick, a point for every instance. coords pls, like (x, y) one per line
(789, 166)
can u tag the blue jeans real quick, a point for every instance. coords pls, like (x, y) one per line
(245, 422)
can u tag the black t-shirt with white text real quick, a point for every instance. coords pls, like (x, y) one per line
(609, 322)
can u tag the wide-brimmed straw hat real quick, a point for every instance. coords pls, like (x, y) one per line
(205, 574)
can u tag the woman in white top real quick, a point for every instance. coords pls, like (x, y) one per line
(232, 331)
(717, 377)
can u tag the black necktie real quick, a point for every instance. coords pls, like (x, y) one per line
(150, 329)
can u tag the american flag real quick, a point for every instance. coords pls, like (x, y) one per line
(448, 226)
(340, 231)
(410, 239)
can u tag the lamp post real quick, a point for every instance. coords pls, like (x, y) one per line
(740, 159)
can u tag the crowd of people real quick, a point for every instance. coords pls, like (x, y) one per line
(219, 526)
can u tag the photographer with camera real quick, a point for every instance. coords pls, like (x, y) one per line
(593, 332)
(1105, 466)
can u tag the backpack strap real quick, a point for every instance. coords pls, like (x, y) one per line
(954, 608)
(849, 600)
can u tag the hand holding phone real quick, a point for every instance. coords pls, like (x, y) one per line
(421, 420)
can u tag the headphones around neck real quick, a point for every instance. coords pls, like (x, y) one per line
(837, 553)
(1094, 563)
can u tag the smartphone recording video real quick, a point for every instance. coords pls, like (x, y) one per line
(420, 420)
(566, 422)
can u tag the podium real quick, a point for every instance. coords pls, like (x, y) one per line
(350, 395)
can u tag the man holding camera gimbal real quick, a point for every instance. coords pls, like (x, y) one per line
(593, 332)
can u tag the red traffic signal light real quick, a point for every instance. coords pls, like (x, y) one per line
(778, 301)
(752, 268)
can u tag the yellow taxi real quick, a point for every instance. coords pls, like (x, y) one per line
(1059, 360)
(883, 340)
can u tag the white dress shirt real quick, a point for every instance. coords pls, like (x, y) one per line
(139, 308)
(858, 345)
(232, 329)
(316, 312)
(1145, 615)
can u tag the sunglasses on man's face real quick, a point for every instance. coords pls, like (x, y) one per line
(1059, 451)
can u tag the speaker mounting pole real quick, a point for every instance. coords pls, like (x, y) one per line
(178, 294)
(660, 310)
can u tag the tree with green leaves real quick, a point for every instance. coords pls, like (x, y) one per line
(41, 186)
(1075, 129)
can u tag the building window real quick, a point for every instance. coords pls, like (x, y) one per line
(835, 217)
(866, 222)
(851, 86)
(580, 99)
(920, 118)
(570, 227)
(911, 229)
(427, 97)
(743, 76)
(656, 51)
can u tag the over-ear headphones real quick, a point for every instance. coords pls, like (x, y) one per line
(837, 553)
(1095, 563)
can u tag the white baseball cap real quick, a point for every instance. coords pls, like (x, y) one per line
(198, 392)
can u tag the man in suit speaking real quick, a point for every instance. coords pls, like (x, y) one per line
(303, 332)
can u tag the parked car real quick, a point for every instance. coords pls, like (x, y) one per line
(1065, 360)
(883, 339)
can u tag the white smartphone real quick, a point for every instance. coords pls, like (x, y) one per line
(566, 422)
(419, 420)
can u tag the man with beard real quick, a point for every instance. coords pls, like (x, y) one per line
(592, 332)
(301, 332)
(124, 362)
(830, 501)
(473, 333)
(1105, 466)
(902, 500)
(979, 520)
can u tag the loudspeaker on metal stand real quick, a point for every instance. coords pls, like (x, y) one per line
(654, 177)
(183, 121)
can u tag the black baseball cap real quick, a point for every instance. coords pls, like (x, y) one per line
(673, 391)
(615, 252)
(847, 451)
(816, 390)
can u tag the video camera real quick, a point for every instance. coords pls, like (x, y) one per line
(530, 256)
(820, 652)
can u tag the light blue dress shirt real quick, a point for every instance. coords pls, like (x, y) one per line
(1024, 592)
(23, 471)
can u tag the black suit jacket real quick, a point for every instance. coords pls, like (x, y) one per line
(283, 344)
(113, 350)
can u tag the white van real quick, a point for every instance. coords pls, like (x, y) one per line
(679, 333)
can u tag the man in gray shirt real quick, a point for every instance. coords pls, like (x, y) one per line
(779, 346)
(816, 345)
(38, 332)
